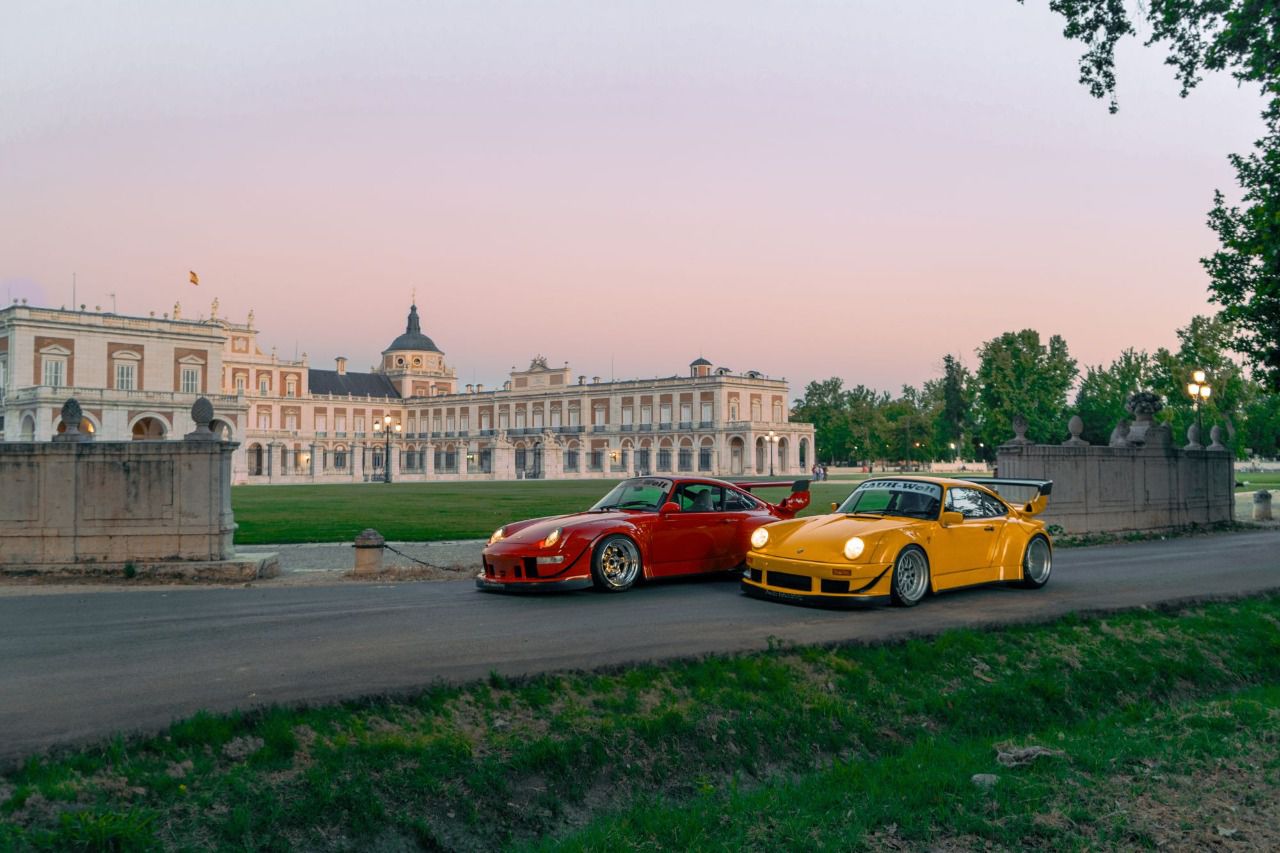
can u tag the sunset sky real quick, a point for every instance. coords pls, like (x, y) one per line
(807, 189)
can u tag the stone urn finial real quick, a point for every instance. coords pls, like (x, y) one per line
(202, 414)
(72, 414)
(1215, 438)
(1143, 405)
(1075, 426)
(1193, 438)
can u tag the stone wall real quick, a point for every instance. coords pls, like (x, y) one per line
(1139, 482)
(74, 503)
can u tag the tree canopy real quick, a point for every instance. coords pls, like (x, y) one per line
(1242, 38)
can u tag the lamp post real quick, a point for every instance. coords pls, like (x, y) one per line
(1198, 389)
(953, 451)
(386, 429)
(772, 438)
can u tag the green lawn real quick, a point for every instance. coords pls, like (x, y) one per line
(1162, 728)
(425, 512)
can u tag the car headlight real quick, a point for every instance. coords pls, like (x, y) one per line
(552, 538)
(853, 548)
(759, 537)
(497, 535)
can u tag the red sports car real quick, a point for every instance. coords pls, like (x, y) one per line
(652, 527)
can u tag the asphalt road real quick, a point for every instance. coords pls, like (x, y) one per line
(79, 666)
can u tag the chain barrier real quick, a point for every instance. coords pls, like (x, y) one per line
(414, 559)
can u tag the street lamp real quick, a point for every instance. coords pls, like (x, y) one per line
(953, 451)
(772, 438)
(386, 429)
(1198, 390)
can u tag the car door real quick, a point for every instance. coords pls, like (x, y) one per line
(687, 541)
(962, 552)
(740, 516)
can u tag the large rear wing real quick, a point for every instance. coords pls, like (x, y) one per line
(792, 503)
(1034, 506)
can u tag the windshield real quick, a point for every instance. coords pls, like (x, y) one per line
(906, 498)
(640, 493)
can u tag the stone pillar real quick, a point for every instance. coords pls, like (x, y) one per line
(552, 459)
(629, 461)
(715, 461)
(463, 448)
(504, 461)
(357, 461)
(429, 460)
(393, 460)
(1262, 505)
(272, 465)
(311, 463)
(369, 545)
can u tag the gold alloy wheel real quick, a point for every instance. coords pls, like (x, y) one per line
(617, 563)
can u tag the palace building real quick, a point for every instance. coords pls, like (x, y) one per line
(405, 420)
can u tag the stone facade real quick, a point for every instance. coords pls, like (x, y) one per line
(300, 424)
(1139, 482)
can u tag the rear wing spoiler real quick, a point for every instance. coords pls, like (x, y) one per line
(797, 500)
(1035, 506)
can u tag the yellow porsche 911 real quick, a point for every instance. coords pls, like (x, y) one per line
(899, 538)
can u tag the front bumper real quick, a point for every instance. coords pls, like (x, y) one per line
(802, 582)
(565, 585)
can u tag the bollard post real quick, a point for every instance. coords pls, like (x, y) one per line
(1262, 505)
(369, 545)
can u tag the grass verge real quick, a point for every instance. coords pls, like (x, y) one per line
(425, 512)
(866, 745)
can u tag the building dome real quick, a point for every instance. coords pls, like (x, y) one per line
(700, 362)
(413, 339)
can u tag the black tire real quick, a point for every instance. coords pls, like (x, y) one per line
(616, 563)
(1037, 563)
(910, 582)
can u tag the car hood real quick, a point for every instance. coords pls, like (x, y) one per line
(822, 537)
(535, 530)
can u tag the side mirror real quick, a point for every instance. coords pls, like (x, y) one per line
(950, 518)
(834, 506)
(669, 507)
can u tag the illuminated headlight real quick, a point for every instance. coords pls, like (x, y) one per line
(552, 538)
(497, 536)
(759, 537)
(853, 548)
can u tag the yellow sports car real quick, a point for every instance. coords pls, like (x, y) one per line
(899, 538)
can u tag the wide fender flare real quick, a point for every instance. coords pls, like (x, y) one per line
(632, 532)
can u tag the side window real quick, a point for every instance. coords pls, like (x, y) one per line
(735, 501)
(699, 497)
(967, 502)
(991, 507)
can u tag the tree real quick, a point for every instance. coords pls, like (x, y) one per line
(1103, 393)
(825, 405)
(1242, 37)
(1204, 344)
(1017, 375)
(954, 420)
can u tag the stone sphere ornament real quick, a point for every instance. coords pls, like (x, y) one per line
(202, 412)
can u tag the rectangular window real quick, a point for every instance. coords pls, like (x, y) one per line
(264, 420)
(626, 415)
(264, 386)
(190, 380)
(240, 384)
(4, 374)
(359, 422)
(322, 423)
(486, 421)
(686, 412)
(291, 421)
(555, 418)
(340, 423)
(55, 372)
(575, 418)
(646, 414)
(464, 422)
(537, 418)
(665, 414)
(126, 376)
(706, 412)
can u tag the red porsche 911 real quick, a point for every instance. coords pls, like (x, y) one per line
(646, 527)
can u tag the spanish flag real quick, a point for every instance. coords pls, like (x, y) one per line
(195, 279)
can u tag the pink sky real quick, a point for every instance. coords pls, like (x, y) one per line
(804, 189)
